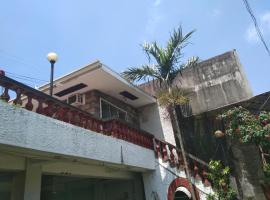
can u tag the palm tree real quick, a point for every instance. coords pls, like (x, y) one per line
(167, 66)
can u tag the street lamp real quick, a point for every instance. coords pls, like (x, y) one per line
(52, 58)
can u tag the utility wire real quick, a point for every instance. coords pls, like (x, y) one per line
(259, 32)
(17, 59)
(25, 77)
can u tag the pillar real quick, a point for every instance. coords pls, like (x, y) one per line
(32, 187)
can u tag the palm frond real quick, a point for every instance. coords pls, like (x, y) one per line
(153, 50)
(139, 73)
(176, 43)
(191, 62)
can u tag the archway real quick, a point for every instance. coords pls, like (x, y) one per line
(179, 189)
(182, 193)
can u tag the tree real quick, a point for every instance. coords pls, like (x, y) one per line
(167, 66)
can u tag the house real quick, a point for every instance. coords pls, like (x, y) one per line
(101, 137)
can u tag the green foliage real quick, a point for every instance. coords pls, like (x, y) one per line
(246, 127)
(266, 170)
(167, 60)
(176, 96)
(220, 178)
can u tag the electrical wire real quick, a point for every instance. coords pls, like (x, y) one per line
(259, 32)
(26, 77)
(17, 59)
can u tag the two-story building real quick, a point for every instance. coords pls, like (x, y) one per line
(100, 137)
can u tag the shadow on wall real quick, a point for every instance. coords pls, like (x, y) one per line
(198, 132)
(151, 120)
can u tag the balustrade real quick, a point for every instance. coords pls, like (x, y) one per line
(169, 153)
(54, 108)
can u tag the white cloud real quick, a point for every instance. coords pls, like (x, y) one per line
(264, 24)
(216, 12)
(154, 18)
(157, 3)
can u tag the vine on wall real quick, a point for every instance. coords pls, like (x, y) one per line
(220, 178)
(249, 128)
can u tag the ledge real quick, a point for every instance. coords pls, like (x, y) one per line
(29, 130)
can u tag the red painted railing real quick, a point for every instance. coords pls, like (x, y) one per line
(123, 131)
(54, 108)
(169, 153)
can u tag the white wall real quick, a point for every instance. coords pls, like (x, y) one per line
(155, 120)
(29, 130)
(158, 181)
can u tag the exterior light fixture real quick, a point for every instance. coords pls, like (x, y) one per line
(52, 58)
(219, 134)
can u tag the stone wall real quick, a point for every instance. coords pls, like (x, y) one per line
(92, 105)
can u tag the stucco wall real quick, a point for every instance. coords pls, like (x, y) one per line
(29, 130)
(156, 120)
(156, 183)
(212, 83)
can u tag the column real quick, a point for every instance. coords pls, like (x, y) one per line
(33, 175)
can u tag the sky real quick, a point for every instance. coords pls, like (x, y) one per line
(83, 31)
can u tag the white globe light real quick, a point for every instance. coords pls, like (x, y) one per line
(52, 57)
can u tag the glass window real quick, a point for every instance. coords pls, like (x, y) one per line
(5, 186)
(108, 111)
(105, 110)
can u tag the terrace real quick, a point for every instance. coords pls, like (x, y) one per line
(140, 147)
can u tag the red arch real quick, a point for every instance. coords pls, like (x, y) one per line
(177, 183)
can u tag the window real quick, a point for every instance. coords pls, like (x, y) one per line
(109, 111)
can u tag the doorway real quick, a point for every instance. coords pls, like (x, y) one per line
(85, 188)
(179, 195)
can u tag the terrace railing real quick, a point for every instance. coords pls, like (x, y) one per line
(169, 153)
(54, 108)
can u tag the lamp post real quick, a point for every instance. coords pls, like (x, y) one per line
(52, 58)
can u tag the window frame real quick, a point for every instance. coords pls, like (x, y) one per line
(113, 105)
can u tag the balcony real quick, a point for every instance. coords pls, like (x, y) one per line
(57, 127)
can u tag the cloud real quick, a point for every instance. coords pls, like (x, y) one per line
(216, 12)
(154, 18)
(264, 24)
(157, 3)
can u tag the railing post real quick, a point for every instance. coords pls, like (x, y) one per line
(205, 176)
(164, 152)
(29, 104)
(5, 96)
(197, 176)
(18, 100)
(172, 157)
(40, 109)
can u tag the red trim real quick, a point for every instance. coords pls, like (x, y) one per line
(177, 183)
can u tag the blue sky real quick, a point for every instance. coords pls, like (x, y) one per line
(82, 31)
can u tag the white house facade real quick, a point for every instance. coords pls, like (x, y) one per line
(98, 137)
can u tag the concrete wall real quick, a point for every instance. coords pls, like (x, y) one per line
(248, 168)
(213, 83)
(216, 82)
(28, 130)
(156, 121)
